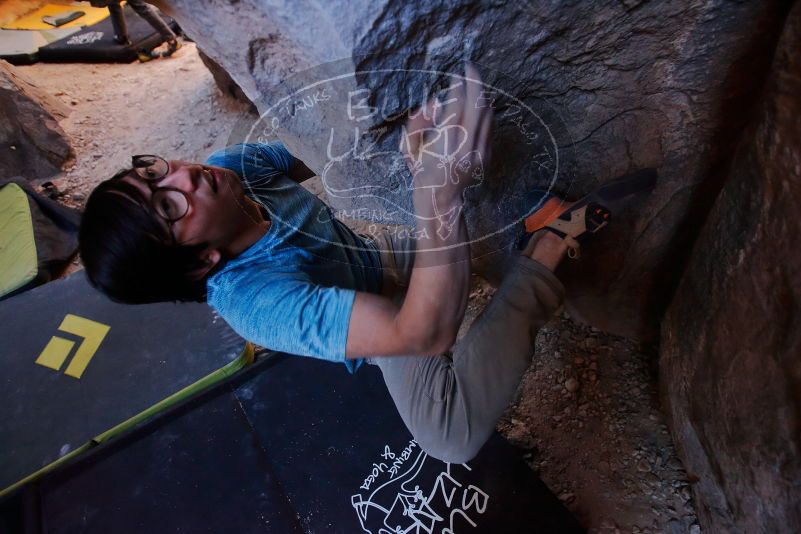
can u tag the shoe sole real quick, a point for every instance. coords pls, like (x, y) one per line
(606, 195)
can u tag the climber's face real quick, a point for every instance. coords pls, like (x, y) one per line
(199, 203)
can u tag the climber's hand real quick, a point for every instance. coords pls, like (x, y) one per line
(446, 144)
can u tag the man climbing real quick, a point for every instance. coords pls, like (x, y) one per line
(290, 280)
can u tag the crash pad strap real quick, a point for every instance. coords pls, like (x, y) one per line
(245, 358)
(18, 258)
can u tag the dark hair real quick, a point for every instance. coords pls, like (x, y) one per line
(129, 254)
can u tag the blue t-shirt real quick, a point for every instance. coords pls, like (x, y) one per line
(293, 290)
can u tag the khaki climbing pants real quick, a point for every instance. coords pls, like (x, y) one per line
(451, 402)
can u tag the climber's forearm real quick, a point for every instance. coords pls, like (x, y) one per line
(436, 299)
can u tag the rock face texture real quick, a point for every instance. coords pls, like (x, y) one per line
(224, 82)
(583, 93)
(32, 143)
(731, 346)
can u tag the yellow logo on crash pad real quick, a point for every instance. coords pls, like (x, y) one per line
(58, 349)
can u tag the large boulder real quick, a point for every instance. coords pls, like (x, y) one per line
(583, 93)
(730, 362)
(224, 82)
(32, 143)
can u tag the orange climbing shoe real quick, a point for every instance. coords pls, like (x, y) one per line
(573, 223)
(576, 221)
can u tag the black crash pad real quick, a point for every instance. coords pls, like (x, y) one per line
(96, 44)
(75, 365)
(294, 445)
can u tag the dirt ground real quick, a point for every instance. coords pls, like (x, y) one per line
(168, 107)
(588, 414)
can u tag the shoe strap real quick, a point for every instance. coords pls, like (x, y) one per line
(572, 224)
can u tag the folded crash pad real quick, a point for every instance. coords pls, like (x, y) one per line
(96, 43)
(17, 244)
(33, 21)
(21, 47)
(296, 445)
(78, 369)
(38, 237)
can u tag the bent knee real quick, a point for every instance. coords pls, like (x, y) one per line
(453, 438)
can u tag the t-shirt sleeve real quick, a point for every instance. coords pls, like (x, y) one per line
(276, 155)
(286, 313)
(256, 163)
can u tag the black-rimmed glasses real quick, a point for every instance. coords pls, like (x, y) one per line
(169, 203)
